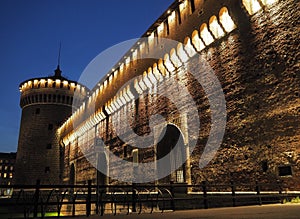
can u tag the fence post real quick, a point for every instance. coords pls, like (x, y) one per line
(258, 193)
(36, 198)
(204, 189)
(97, 198)
(280, 191)
(88, 199)
(172, 193)
(233, 193)
(133, 198)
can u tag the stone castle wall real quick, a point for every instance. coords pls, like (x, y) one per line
(257, 66)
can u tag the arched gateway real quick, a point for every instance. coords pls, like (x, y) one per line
(170, 137)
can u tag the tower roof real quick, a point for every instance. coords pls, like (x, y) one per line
(57, 72)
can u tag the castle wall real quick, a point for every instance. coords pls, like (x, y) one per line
(256, 64)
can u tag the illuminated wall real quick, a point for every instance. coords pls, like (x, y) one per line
(244, 42)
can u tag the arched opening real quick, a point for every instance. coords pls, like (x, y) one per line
(188, 47)
(226, 20)
(252, 6)
(215, 28)
(170, 137)
(72, 175)
(197, 42)
(205, 34)
(268, 2)
(101, 165)
(174, 58)
(168, 64)
(181, 53)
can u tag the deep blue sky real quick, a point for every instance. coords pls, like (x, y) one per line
(30, 33)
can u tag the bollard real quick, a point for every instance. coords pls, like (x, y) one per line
(133, 198)
(233, 193)
(88, 199)
(204, 189)
(36, 198)
(258, 193)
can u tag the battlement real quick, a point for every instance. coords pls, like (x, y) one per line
(195, 24)
(51, 90)
(52, 82)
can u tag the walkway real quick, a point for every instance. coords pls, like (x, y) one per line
(277, 211)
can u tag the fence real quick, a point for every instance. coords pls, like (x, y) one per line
(71, 200)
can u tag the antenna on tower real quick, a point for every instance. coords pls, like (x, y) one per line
(58, 61)
(57, 70)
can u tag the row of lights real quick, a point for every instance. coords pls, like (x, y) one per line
(183, 4)
(155, 73)
(36, 83)
(254, 6)
(149, 79)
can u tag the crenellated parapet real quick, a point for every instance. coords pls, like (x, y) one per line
(249, 45)
(51, 90)
(202, 25)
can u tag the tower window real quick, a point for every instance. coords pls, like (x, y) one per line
(49, 146)
(37, 111)
(50, 126)
(179, 176)
(264, 166)
(285, 171)
(47, 169)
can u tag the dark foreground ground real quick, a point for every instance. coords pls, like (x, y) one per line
(277, 211)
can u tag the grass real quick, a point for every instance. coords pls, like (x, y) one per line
(50, 214)
(293, 201)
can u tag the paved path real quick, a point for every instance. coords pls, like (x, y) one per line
(278, 211)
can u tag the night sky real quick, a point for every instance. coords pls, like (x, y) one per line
(30, 34)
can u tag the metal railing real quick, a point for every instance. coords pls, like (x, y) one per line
(72, 200)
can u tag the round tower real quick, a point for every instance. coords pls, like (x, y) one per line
(46, 103)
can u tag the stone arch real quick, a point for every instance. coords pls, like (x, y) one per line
(215, 27)
(188, 47)
(170, 136)
(206, 35)
(252, 6)
(226, 20)
(196, 41)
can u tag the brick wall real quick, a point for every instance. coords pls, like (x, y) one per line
(258, 68)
